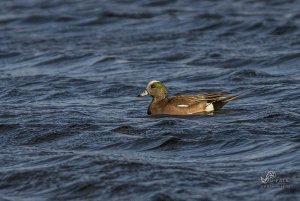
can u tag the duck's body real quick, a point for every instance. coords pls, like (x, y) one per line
(186, 105)
(182, 105)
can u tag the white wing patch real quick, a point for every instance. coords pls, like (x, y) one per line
(182, 105)
(209, 107)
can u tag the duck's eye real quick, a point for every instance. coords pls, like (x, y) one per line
(153, 86)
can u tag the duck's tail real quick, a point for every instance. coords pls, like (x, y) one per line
(218, 104)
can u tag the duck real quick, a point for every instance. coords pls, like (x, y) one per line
(162, 104)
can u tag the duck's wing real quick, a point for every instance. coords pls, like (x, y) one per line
(209, 101)
(208, 97)
(188, 100)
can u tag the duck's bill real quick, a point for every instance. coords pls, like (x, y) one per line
(145, 93)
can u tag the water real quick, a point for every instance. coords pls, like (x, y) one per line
(72, 128)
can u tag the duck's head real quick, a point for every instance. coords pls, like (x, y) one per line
(156, 89)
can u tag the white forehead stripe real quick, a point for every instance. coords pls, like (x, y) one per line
(151, 82)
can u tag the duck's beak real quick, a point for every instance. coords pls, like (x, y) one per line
(145, 93)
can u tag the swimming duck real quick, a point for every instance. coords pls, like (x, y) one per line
(182, 105)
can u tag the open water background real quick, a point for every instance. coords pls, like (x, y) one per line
(71, 127)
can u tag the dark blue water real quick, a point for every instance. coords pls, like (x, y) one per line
(72, 128)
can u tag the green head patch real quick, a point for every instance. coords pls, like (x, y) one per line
(160, 86)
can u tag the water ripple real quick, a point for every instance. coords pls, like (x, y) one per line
(72, 127)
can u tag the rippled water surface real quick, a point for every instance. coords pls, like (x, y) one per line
(72, 128)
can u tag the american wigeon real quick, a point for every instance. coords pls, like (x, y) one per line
(182, 105)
